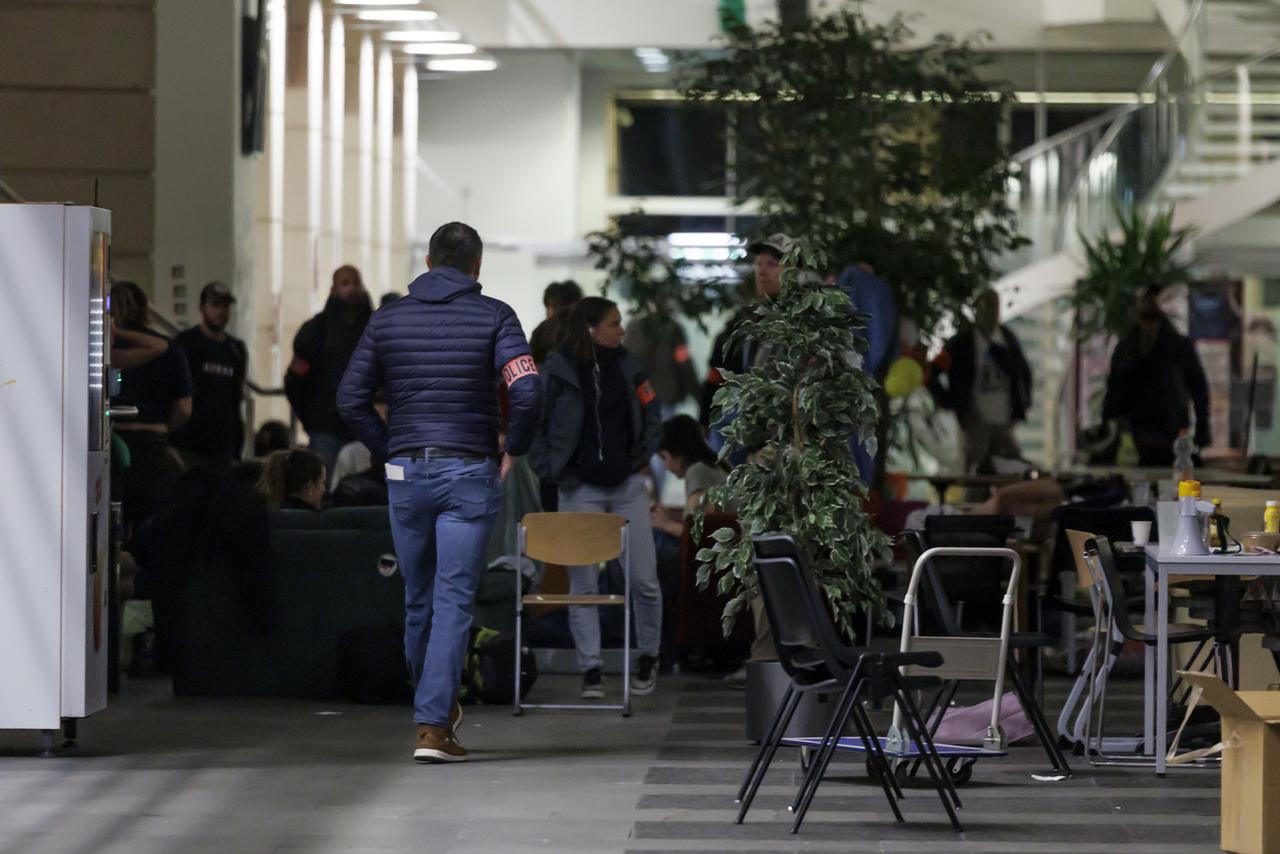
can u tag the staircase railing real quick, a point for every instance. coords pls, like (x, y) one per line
(1076, 181)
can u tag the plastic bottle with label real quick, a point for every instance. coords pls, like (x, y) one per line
(1271, 517)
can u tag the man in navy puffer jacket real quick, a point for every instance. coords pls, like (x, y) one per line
(439, 355)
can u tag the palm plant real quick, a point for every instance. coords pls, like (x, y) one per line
(1144, 253)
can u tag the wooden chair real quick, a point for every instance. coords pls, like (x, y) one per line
(576, 539)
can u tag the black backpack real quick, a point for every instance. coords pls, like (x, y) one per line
(488, 672)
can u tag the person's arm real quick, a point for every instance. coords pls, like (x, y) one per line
(297, 380)
(360, 382)
(651, 417)
(142, 348)
(514, 365)
(180, 414)
(1113, 408)
(1198, 386)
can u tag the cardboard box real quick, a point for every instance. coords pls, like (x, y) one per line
(1250, 765)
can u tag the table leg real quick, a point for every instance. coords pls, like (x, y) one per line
(1162, 668)
(1149, 668)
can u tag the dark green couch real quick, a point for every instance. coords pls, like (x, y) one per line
(324, 580)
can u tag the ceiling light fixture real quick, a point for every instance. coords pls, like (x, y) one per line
(461, 65)
(422, 36)
(377, 2)
(397, 15)
(440, 48)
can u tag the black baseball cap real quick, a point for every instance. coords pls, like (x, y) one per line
(216, 292)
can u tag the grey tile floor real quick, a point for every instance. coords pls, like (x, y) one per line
(156, 773)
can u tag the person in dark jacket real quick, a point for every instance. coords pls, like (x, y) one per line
(439, 354)
(321, 350)
(600, 425)
(558, 299)
(1154, 381)
(219, 364)
(988, 383)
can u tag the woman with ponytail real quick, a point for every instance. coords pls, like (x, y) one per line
(293, 480)
(600, 425)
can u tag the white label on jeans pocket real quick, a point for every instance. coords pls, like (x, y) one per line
(394, 472)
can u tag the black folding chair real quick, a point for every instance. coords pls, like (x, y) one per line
(819, 662)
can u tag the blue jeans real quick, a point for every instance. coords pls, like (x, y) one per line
(441, 514)
(630, 500)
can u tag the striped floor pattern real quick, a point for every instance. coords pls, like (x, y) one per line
(686, 802)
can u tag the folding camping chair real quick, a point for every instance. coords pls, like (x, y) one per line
(576, 539)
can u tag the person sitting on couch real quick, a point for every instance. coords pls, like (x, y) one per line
(293, 480)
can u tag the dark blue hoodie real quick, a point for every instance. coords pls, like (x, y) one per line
(439, 354)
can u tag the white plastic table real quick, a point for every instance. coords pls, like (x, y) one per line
(1156, 694)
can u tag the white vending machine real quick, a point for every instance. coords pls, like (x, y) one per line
(55, 465)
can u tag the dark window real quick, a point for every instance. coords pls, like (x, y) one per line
(669, 148)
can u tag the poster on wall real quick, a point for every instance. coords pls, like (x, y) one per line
(1215, 322)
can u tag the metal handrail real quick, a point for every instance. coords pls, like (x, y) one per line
(1194, 11)
(1050, 142)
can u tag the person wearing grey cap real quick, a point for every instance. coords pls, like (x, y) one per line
(219, 364)
(767, 267)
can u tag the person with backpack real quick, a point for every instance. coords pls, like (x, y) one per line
(601, 423)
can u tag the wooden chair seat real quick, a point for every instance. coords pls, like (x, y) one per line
(573, 599)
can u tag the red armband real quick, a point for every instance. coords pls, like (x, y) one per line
(300, 367)
(518, 368)
(646, 393)
(682, 354)
(714, 377)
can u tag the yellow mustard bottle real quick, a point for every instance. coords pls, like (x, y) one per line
(1271, 518)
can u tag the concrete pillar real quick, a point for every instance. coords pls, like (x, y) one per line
(331, 254)
(404, 264)
(357, 176)
(303, 284)
(261, 321)
(379, 279)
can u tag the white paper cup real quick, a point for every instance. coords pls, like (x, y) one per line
(1141, 533)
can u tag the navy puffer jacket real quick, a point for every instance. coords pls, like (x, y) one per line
(439, 354)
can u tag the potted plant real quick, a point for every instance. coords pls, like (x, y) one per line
(1144, 252)
(795, 414)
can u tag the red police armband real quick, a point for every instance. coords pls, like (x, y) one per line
(682, 354)
(300, 367)
(714, 377)
(646, 393)
(518, 368)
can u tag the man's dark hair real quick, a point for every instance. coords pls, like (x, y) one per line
(561, 295)
(456, 245)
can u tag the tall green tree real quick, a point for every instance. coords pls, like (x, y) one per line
(877, 148)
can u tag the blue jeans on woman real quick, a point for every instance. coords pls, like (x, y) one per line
(442, 509)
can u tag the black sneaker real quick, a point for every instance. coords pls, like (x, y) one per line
(592, 685)
(646, 676)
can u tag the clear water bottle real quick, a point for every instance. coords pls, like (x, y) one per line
(1183, 449)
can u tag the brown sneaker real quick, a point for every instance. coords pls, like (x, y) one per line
(437, 744)
(455, 718)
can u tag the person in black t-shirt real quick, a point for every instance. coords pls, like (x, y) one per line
(218, 361)
(161, 390)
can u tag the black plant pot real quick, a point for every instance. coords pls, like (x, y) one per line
(766, 684)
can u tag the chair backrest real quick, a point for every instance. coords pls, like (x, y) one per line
(1112, 523)
(573, 539)
(1077, 541)
(803, 634)
(963, 593)
(1244, 507)
(1099, 551)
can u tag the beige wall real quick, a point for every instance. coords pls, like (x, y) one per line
(77, 107)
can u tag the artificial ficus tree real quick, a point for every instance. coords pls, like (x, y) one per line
(795, 413)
